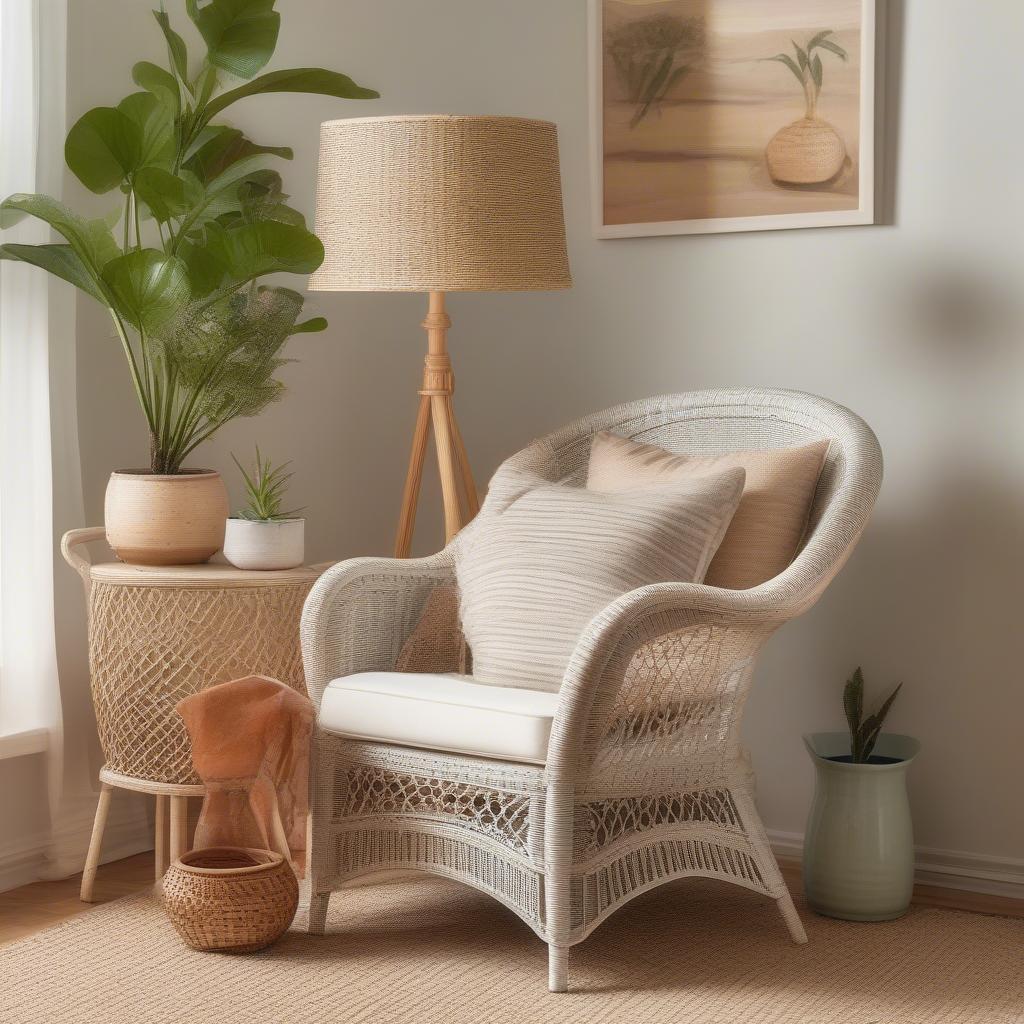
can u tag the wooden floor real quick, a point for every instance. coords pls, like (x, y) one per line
(41, 904)
(37, 906)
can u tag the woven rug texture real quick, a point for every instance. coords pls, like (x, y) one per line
(427, 949)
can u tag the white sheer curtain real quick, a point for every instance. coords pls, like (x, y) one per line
(41, 710)
(32, 63)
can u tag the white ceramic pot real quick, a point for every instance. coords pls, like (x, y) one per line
(265, 543)
(152, 519)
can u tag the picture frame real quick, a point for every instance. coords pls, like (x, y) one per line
(699, 163)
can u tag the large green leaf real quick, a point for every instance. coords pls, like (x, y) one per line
(103, 147)
(165, 194)
(221, 194)
(175, 46)
(262, 197)
(90, 239)
(266, 247)
(221, 147)
(240, 35)
(308, 80)
(155, 125)
(60, 260)
(161, 83)
(205, 271)
(148, 287)
(311, 326)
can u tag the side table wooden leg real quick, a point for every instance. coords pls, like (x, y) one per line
(179, 826)
(160, 846)
(92, 859)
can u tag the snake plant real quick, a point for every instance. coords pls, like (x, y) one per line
(807, 67)
(864, 732)
(201, 218)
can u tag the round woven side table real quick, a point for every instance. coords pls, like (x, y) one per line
(158, 634)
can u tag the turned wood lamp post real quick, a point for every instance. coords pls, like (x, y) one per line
(438, 204)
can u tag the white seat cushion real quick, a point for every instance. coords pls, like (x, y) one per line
(441, 712)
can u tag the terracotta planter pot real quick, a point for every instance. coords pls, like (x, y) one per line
(806, 152)
(165, 520)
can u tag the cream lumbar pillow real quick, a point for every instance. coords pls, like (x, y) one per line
(769, 524)
(535, 573)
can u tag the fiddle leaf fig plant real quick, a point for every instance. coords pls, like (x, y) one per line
(201, 218)
(864, 732)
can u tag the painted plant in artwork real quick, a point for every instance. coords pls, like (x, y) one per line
(809, 151)
(719, 112)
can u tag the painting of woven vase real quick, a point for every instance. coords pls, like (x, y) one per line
(808, 151)
(731, 115)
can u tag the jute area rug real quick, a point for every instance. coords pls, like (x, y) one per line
(426, 949)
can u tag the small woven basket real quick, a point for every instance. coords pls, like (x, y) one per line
(230, 899)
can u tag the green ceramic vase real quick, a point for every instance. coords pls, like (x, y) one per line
(859, 845)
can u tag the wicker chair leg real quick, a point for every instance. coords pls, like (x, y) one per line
(318, 903)
(92, 858)
(792, 919)
(558, 968)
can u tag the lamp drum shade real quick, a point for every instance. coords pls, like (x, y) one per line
(440, 203)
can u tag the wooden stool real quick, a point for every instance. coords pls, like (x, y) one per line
(158, 634)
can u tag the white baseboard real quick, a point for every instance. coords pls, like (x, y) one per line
(40, 856)
(951, 869)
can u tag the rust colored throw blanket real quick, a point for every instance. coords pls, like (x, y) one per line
(250, 746)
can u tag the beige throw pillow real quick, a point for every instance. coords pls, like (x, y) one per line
(772, 516)
(536, 573)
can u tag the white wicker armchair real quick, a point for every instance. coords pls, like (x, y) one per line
(644, 780)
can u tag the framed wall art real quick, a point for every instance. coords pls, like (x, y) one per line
(731, 115)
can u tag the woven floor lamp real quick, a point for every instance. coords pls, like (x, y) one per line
(439, 204)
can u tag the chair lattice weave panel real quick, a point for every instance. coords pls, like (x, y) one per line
(603, 822)
(502, 816)
(150, 647)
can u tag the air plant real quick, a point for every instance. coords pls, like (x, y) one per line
(265, 488)
(864, 732)
(807, 67)
(651, 55)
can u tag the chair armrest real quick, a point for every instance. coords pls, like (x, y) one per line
(360, 612)
(599, 664)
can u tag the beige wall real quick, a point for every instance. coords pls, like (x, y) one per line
(915, 325)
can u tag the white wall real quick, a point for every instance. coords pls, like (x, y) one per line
(915, 325)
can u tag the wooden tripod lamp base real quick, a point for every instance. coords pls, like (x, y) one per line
(457, 487)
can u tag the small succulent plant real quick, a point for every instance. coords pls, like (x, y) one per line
(265, 488)
(864, 732)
